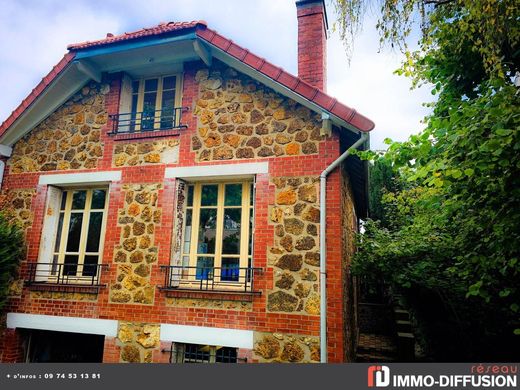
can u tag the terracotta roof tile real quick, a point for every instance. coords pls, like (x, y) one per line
(162, 28)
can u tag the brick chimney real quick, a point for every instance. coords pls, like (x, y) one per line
(312, 42)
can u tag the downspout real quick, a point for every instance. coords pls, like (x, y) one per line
(323, 244)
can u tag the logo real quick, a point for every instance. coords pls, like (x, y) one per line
(378, 376)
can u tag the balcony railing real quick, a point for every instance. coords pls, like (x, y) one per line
(214, 279)
(65, 274)
(148, 121)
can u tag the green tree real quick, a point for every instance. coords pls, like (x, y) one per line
(454, 229)
(11, 252)
(381, 181)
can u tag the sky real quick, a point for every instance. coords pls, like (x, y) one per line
(35, 33)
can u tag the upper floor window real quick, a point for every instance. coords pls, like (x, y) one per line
(149, 104)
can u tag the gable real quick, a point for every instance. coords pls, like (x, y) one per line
(67, 139)
(188, 41)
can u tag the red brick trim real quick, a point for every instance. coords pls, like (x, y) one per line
(143, 135)
(213, 295)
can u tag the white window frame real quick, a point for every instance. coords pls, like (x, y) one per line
(56, 184)
(158, 99)
(61, 251)
(247, 209)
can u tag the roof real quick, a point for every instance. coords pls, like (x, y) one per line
(162, 28)
(212, 38)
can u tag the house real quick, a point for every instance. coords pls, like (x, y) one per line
(168, 183)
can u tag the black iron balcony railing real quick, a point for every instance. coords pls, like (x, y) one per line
(215, 279)
(147, 121)
(65, 274)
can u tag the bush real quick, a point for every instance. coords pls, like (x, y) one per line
(12, 248)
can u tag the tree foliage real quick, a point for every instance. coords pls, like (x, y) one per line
(453, 226)
(382, 180)
(11, 251)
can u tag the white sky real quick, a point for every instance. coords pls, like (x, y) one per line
(34, 35)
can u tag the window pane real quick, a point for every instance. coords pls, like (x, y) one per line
(233, 195)
(230, 269)
(168, 99)
(226, 355)
(148, 110)
(71, 265)
(78, 200)
(76, 219)
(204, 268)
(133, 117)
(167, 110)
(150, 85)
(187, 232)
(190, 196)
(194, 353)
(94, 231)
(207, 231)
(90, 265)
(169, 82)
(63, 200)
(98, 199)
(231, 234)
(54, 267)
(58, 233)
(135, 86)
(251, 217)
(251, 194)
(209, 195)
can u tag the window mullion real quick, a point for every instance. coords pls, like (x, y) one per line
(220, 227)
(84, 233)
(177, 98)
(158, 104)
(212, 354)
(103, 227)
(195, 225)
(140, 102)
(244, 229)
(65, 231)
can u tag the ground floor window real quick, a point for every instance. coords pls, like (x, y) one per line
(197, 353)
(43, 346)
(79, 234)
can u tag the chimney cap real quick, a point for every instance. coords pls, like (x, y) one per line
(309, 3)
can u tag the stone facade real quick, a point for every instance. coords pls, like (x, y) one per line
(16, 204)
(136, 253)
(238, 118)
(285, 348)
(143, 153)
(295, 255)
(138, 341)
(68, 139)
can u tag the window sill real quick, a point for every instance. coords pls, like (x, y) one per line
(66, 288)
(244, 296)
(147, 134)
